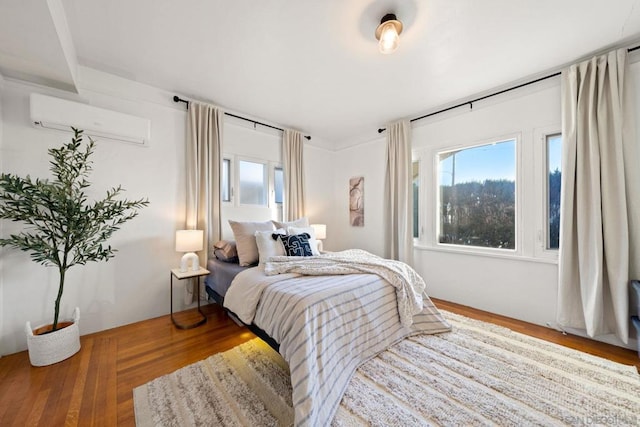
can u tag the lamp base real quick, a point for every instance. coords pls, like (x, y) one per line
(189, 258)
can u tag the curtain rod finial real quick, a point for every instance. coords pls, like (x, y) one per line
(176, 98)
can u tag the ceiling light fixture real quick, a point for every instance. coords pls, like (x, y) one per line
(388, 33)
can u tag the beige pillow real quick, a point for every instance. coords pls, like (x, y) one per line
(301, 222)
(244, 234)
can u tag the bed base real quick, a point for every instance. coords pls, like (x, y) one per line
(219, 299)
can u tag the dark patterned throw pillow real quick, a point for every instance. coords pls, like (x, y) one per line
(295, 245)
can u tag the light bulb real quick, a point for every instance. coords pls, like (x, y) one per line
(389, 38)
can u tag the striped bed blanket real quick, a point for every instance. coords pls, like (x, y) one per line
(408, 284)
(328, 324)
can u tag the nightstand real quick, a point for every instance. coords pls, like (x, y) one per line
(181, 275)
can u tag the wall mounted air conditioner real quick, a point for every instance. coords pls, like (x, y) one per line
(55, 113)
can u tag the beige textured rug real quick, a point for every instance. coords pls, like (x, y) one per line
(478, 374)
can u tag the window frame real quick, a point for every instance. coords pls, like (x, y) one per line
(416, 158)
(231, 179)
(430, 240)
(541, 136)
(272, 173)
(234, 182)
(531, 196)
(276, 208)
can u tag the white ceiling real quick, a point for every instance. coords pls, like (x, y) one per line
(310, 64)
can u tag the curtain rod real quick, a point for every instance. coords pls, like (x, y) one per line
(178, 99)
(470, 103)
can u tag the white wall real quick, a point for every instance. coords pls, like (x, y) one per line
(134, 285)
(522, 286)
(320, 170)
(366, 160)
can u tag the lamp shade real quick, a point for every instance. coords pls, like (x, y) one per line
(320, 230)
(189, 240)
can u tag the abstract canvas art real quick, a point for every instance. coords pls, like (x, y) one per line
(356, 201)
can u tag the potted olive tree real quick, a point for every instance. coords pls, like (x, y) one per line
(63, 228)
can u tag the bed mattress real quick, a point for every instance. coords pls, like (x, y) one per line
(221, 274)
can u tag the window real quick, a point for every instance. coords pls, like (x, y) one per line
(554, 177)
(497, 198)
(477, 195)
(252, 183)
(226, 180)
(278, 185)
(416, 199)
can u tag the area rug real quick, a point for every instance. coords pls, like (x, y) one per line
(478, 374)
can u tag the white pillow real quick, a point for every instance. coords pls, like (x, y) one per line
(301, 222)
(312, 240)
(244, 234)
(268, 246)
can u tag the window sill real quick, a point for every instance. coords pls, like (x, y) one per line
(487, 254)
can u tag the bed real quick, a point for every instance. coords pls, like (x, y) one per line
(326, 315)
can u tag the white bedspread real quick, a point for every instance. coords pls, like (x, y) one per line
(326, 326)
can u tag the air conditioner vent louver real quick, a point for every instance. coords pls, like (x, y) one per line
(55, 113)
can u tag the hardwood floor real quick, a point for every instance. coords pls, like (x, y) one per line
(94, 387)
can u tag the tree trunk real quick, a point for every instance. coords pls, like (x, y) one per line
(58, 298)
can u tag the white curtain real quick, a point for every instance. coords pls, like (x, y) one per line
(203, 164)
(398, 193)
(293, 160)
(599, 214)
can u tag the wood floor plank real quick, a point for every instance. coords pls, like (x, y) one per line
(37, 408)
(36, 382)
(95, 387)
(11, 383)
(70, 397)
(67, 374)
(109, 382)
(97, 407)
(72, 416)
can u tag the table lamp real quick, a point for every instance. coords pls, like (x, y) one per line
(189, 241)
(320, 230)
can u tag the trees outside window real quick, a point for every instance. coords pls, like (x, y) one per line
(554, 174)
(416, 198)
(477, 196)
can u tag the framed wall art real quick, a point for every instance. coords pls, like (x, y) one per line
(356, 201)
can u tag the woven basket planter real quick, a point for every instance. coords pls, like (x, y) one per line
(54, 347)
